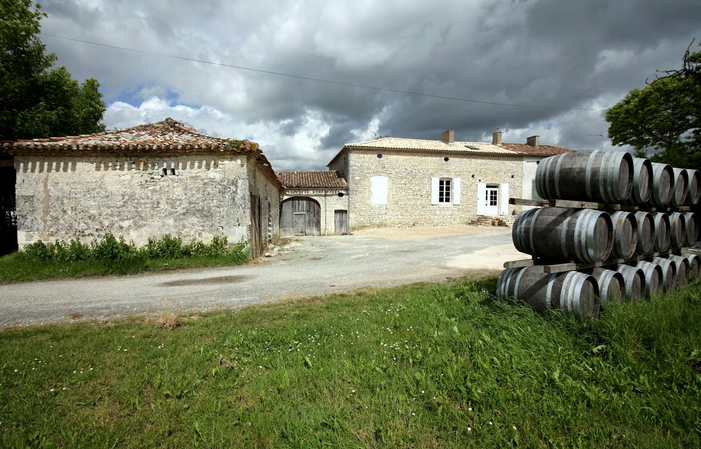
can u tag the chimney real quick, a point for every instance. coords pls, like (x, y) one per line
(448, 137)
(496, 138)
(533, 141)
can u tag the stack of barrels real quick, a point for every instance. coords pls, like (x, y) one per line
(640, 221)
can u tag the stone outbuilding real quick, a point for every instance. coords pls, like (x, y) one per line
(413, 182)
(143, 182)
(313, 203)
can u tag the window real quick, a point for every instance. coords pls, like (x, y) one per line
(492, 196)
(444, 191)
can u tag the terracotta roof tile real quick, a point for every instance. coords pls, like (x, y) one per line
(540, 150)
(167, 136)
(329, 179)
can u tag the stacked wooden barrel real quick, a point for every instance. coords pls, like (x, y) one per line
(622, 242)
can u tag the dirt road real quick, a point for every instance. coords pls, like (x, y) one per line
(305, 266)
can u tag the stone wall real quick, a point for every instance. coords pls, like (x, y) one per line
(84, 198)
(261, 185)
(409, 180)
(329, 202)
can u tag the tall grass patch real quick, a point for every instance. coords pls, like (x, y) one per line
(110, 255)
(417, 366)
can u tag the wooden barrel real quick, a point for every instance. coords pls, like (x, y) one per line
(662, 184)
(693, 192)
(612, 286)
(677, 230)
(683, 269)
(669, 272)
(555, 233)
(653, 277)
(681, 183)
(662, 231)
(691, 220)
(574, 292)
(646, 233)
(693, 261)
(642, 181)
(634, 281)
(605, 176)
(625, 235)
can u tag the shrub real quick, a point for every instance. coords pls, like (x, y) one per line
(109, 248)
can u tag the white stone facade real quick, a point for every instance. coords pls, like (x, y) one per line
(395, 187)
(196, 197)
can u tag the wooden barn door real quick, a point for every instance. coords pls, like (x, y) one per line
(300, 216)
(340, 222)
(256, 236)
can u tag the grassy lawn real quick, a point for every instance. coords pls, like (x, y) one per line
(418, 366)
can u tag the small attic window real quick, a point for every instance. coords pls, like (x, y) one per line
(379, 155)
(472, 147)
(169, 172)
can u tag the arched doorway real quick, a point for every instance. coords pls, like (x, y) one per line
(300, 216)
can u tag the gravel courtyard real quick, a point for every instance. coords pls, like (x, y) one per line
(302, 267)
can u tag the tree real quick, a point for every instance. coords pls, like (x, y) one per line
(36, 100)
(664, 117)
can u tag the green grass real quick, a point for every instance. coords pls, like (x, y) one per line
(14, 269)
(417, 366)
(112, 256)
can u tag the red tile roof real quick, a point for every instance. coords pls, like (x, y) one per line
(311, 180)
(168, 136)
(540, 150)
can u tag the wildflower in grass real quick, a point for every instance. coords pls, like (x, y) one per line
(469, 429)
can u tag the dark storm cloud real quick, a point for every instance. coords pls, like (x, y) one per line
(534, 52)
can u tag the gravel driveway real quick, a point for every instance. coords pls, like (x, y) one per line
(305, 266)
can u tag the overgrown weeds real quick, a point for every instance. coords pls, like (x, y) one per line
(416, 366)
(111, 255)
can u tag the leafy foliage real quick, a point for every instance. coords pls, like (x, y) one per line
(36, 101)
(111, 248)
(664, 117)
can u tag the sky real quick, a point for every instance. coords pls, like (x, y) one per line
(304, 77)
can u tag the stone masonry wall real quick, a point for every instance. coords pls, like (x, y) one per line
(409, 193)
(329, 202)
(260, 185)
(195, 196)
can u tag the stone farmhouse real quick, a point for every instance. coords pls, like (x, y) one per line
(167, 178)
(313, 203)
(141, 182)
(412, 182)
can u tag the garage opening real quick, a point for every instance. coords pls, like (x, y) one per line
(300, 216)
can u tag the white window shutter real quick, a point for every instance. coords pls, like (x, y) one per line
(434, 190)
(456, 190)
(380, 188)
(481, 198)
(504, 199)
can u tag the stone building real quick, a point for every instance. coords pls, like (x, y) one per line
(412, 182)
(313, 203)
(141, 182)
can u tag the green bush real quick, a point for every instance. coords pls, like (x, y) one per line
(111, 248)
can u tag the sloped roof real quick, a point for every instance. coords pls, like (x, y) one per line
(539, 150)
(167, 136)
(396, 143)
(329, 179)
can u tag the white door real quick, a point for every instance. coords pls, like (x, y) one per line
(491, 200)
